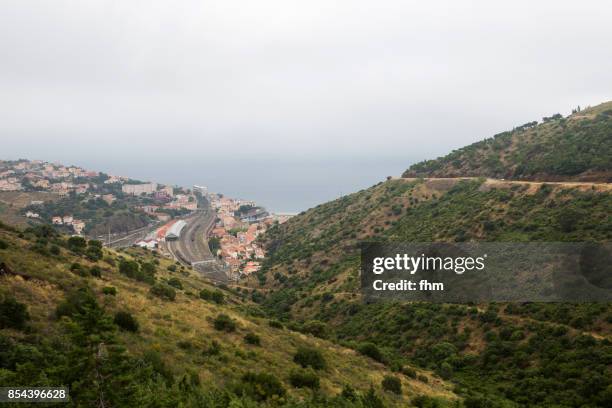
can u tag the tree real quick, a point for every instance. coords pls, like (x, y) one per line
(77, 244)
(371, 350)
(175, 283)
(304, 378)
(162, 291)
(261, 386)
(13, 314)
(252, 338)
(126, 321)
(309, 357)
(224, 323)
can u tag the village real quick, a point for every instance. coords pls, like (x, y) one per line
(231, 238)
(158, 202)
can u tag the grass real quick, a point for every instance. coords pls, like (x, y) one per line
(182, 330)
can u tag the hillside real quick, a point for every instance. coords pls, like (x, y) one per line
(577, 147)
(497, 355)
(133, 329)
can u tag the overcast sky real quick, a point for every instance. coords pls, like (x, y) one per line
(287, 79)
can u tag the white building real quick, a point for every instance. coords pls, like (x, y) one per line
(174, 232)
(138, 189)
(201, 189)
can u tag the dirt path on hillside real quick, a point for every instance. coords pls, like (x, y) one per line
(502, 183)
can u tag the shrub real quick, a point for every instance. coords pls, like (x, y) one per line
(129, 268)
(304, 378)
(424, 401)
(371, 350)
(126, 321)
(154, 359)
(316, 328)
(175, 283)
(348, 393)
(261, 386)
(185, 344)
(218, 297)
(96, 271)
(144, 272)
(13, 314)
(213, 350)
(94, 250)
(148, 268)
(306, 356)
(275, 324)
(109, 290)
(224, 323)
(445, 371)
(392, 383)
(422, 378)
(3, 244)
(78, 302)
(252, 338)
(78, 269)
(371, 400)
(172, 268)
(77, 244)
(163, 291)
(409, 372)
(55, 250)
(215, 296)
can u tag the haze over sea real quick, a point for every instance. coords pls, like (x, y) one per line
(279, 185)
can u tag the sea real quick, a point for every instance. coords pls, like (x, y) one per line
(280, 185)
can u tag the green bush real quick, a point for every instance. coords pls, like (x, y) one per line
(252, 338)
(309, 357)
(424, 401)
(77, 244)
(109, 290)
(126, 321)
(175, 283)
(371, 350)
(163, 291)
(224, 323)
(445, 371)
(3, 244)
(215, 296)
(94, 250)
(304, 379)
(134, 270)
(213, 350)
(260, 386)
(129, 268)
(78, 302)
(393, 384)
(409, 372)
(316, 328)
(95, 271)
(13, 314)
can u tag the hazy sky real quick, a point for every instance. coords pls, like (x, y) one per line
(144, 82)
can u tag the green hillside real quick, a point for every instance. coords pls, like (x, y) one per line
(496, 355)
(131, 328)
(577, 147)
